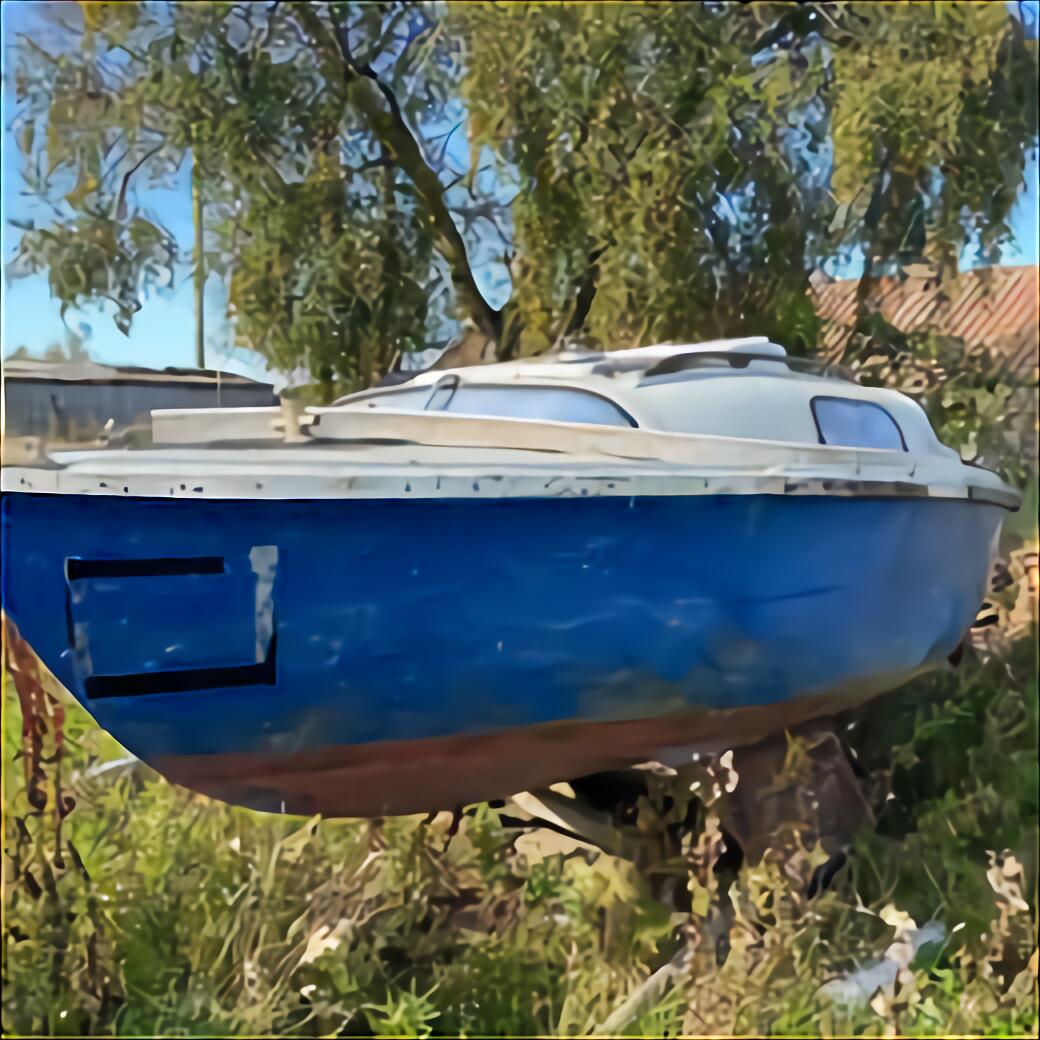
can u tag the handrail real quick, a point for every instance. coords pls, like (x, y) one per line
(741, 359)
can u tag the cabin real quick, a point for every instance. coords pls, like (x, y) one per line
(747, 388)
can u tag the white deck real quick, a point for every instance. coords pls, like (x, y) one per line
(711, 430)
(598, 461)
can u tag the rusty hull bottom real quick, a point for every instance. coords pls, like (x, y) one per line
(412, 776)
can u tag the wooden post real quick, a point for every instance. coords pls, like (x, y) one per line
(200, 269)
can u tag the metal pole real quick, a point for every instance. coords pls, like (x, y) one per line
(200, 271)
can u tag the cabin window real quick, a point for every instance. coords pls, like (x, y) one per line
(412, 400)
(553, 404)
(443, 391)
(856, 424)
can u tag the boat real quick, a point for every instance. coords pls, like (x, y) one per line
(487, 580)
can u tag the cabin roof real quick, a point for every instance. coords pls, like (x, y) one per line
(565, 363)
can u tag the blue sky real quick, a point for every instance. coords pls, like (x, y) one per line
(163, 331)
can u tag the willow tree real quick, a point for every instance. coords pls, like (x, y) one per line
(675, 171)
(322, 240)
(682, 169)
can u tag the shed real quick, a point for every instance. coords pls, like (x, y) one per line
(72, 401)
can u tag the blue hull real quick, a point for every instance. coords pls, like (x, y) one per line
(219, 628)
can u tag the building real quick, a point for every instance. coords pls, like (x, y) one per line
(996, 307)
(73, 401)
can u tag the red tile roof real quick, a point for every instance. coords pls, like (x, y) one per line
(995, 306)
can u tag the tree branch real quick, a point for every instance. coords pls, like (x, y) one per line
(121, 197)
(387, 34)
(375, 100)
(585, 286)
(383, 162)
(871, 223)
(586, 291)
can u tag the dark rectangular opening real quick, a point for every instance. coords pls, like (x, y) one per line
(187, 680)
(166, 566)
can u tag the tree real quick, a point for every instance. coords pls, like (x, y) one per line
(679, 170)
(325, 248)
(683, 168)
